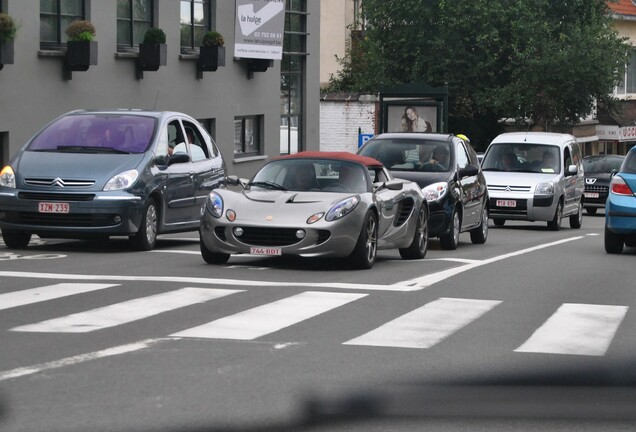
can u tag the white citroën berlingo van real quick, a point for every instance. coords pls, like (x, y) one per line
(535, 176)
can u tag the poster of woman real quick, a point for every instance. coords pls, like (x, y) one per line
(410, 118)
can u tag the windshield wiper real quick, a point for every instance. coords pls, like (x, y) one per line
(267, 185)
(90, 149)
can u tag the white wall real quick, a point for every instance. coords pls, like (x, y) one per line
(340, 120)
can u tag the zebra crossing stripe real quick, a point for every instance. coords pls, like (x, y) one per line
(128, 311)
(578, 329)
(428, 325)
(49, 292)
(271, 317)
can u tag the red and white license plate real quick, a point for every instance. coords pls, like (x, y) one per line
(591, 194)
(265, 251)
(54, 207)
(506, 203)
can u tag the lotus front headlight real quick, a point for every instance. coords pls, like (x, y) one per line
(7, 177)
(122, 180)
(214, 204)
(544, 188)
(342, 208)
(435, 191)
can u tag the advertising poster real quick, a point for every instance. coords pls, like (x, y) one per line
(412, 118)
(259, 29)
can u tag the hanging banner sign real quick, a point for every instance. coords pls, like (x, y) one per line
(259, 29)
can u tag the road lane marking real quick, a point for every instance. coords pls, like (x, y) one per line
(49, 292)
(433, 278)
(209, 281)
(108, 352)
(405, 286)
(426, 326)
(578, 329)
(261, 320)
(125, 312)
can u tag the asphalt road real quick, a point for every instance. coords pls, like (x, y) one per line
(96, 337)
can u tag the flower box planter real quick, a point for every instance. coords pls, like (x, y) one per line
(151, 57)
(6, 53)
(210, 59)
(80, 55)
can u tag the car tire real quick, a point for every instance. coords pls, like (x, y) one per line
(16, 239)
(364, 253)
(212, 257)
(613, 242)
(591, 210)
(576, 220)
(499, 222)
(419, 246)
(479, 235)
(555, 223)
(450, 240)
(146, 237)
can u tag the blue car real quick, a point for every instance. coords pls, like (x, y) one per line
(620, 209)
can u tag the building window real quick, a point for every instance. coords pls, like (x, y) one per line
(628, 83)
(293, 76)
(55, 16)
(134, 17)
(247, 135)
(197, 18)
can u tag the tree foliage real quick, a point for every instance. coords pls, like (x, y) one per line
(542, 61)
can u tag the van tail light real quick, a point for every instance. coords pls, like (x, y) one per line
(619, 187)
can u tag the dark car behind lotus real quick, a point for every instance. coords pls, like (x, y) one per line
(456, 194)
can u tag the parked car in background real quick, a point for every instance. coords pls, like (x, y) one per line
(620, 209)
(447, 170)
(316, 204)
(599, 170)
(95, 174)
(535, 176)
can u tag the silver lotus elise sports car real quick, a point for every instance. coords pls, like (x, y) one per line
(316, 204)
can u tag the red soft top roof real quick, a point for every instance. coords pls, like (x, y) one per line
(346, 156)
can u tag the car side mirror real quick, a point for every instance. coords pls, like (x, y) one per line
(571, 170)
(234, 180)
(394, 185)
(178, 157)
(469, 171)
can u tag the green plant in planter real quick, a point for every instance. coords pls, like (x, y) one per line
(8, 27)
(80, 30)
(213, 38)
(154, 36)
(211, 53)
(152, 51)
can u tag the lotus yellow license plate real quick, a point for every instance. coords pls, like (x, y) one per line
(265, 251)
(54, 207)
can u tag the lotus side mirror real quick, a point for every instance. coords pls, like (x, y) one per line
(394, 185)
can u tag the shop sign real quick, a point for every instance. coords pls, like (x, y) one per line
(259, 29)
(607, 133)
(627, 133)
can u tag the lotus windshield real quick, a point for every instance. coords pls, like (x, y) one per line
(96, 133)
(311, 175)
